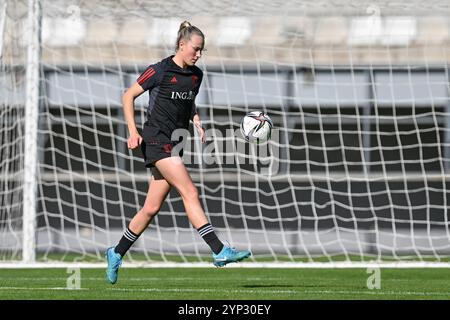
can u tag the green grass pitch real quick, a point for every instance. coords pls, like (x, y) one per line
(226, 283)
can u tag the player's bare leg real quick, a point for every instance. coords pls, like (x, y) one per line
(157, 192)
(174, 171)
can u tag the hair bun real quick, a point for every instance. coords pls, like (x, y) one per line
(185, 24)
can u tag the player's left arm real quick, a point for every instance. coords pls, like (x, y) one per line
(198, 77)
(198, 123)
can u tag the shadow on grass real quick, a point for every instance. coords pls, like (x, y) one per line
(267, 286)
(303, 286)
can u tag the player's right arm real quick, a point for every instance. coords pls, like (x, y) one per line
(148, 80)
(134, 139)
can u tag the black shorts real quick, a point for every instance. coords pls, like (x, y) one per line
(156, 146)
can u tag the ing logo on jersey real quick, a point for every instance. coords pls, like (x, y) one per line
(183, 95)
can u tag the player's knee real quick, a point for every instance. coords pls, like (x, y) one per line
(150, 210)
(190, 193)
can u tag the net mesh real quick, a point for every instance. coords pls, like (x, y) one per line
(356, 170)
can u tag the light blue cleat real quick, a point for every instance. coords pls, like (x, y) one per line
(114, 262)
(228, 255)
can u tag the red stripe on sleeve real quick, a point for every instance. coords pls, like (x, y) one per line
(146, 75)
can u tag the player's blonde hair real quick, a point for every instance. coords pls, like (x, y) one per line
(185, 32)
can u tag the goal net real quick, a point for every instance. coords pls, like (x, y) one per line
(356, 170)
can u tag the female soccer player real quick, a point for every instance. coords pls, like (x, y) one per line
(173, 84)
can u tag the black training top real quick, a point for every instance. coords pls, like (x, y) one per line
(172, 92)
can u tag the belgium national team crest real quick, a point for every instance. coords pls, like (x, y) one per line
(167, 148)
(194, 80)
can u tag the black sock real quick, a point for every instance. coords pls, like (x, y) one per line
(126, 242)
(210, 237)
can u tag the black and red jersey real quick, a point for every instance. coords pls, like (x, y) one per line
(172, 92)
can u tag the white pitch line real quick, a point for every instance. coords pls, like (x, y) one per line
(155, 290)
(136, 279)
(377, 292)
(36, 279)
(49, 288)
(253, 265)
(181, 290)
(203, 290)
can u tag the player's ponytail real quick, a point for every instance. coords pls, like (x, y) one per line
(184, 24)
(185, 32)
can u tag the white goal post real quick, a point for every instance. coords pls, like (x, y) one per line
(355, 174)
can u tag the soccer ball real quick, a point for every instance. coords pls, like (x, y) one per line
(256, 126)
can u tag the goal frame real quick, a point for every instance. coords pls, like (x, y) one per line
(31, 175)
